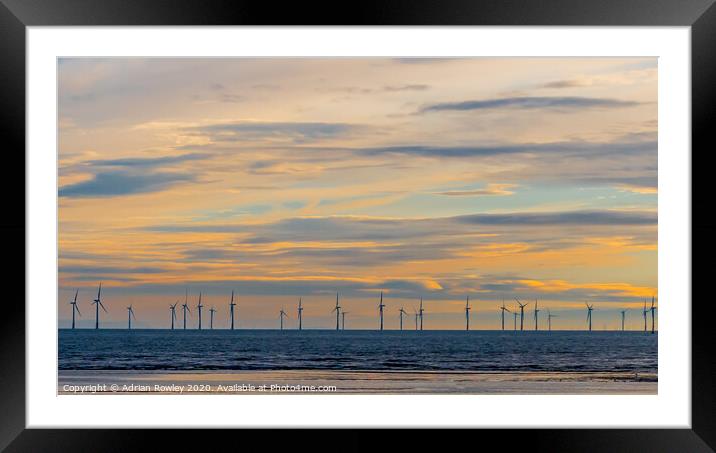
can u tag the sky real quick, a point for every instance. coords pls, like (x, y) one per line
(280, 178)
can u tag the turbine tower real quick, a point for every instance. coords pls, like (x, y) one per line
(467, 313)
(536, 316)
(623, 312)
(549, 319)
(74, 308)
(416, 318)
(343, 319)
(300, 315)
(589, 315)
(381, 305)
(185, 307)
(514, 314)
(212, 310)
(643, 313)
(337, 309)
(504, 309)
(281, 314)
(231, 309)
(130, 315)
(402, 312)
(421, 313)
(199, 306)
(522, 313)
(653, 308)
(174, 312)
(98, 303)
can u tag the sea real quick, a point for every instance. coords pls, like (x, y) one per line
(409, 350)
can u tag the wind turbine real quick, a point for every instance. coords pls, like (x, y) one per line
(97, 303)
(199, 306)
(643, 313)
(381, 305)
(653, 308)
(343, 319)
(467, 313)
(337, 309)
(623, 312)
(402, 312)
(231, 309)
(536, 318)
(174, 313)
(514, 313)
(522, 313)
(421, 313)
(503, 309)
(74, 308)
(185, 307)
(589, 315)
(212, 310)
(300, 315)
(549, 319)
(130, 315)
(281, 315)
(416, 318)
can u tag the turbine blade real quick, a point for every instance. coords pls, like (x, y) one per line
(105, 310)
(78, 310)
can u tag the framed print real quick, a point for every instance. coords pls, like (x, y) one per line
(421, 218)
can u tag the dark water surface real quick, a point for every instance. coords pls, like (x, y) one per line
(88, 349)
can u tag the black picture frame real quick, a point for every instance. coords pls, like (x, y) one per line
(16, 15)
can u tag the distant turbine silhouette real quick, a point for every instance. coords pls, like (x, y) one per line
(416, 318)
(281, 315)
(300, 315)
(231, 309)
(421, 313)
(174, 313)
(653, 308)
(623, 312)
(199, 306)
(514, 313)
(504, 309)
(536, 318)
(402, 312)
(467, 313)
(337, 309)
(185, 306)
(130, 315)
(212, 310)
(522, 313)
(98, 303)
(381, 305)
(74, 308)
(549, 319)
(343, 319)
(589, 315)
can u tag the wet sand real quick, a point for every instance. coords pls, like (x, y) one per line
(353, 382)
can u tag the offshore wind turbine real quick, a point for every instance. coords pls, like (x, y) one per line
(522, 313)
(653, 308)
(74, 308)
(300, 315)
(623, 312)
(421, 313)
(185, 307)
(467, 313)
(212, 310)
(514, 313)
(536, 318)
(199, 306)
(174, 312)
(381, 305)
(549, 319)
(589, 315)
(231, 309)
(98, 303)
(416, 318)
(502, 312)
(281, 314)
(337, 309)
(643, 313)
(343, 319)
(130, 315)
(402, 312)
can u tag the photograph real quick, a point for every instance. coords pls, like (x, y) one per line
(357, 225)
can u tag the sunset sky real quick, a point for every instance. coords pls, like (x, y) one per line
(282, 178)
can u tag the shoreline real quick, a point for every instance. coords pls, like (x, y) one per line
(353, 382)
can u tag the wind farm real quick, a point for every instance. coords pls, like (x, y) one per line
(385, 210)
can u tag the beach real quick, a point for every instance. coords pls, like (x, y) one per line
(353, 382)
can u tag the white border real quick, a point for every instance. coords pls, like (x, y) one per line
(670, 408)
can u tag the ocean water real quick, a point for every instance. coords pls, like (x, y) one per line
(88, 349)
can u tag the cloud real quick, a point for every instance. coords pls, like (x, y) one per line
(604, 217)
(113, 183)
(490, 190)
(147, 162)
(409, 87)
(574, 83)
(530, 103)
(297, 132)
